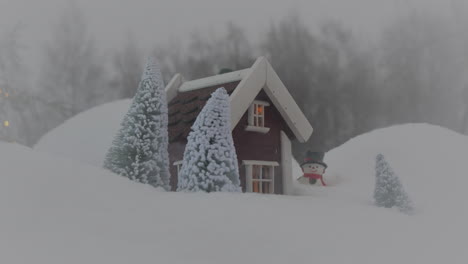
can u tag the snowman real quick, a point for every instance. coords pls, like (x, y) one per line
(313, 168)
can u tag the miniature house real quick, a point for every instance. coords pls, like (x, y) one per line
(264, 119)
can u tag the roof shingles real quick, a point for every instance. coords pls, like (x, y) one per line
(185, 107)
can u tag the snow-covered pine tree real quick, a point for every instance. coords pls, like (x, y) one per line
(210, 159)
(388, 190)
(140, 149)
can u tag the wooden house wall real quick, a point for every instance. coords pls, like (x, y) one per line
(257, 146)
(249, 145)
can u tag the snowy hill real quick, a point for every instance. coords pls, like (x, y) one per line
(430, 161)
(60, 211)
(88, 135)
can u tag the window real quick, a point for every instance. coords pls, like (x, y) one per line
(257, 117)
(260, 176)
(262, 179)
(178, 164)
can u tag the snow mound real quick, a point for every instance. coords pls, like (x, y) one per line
(53, 210)
(56, 210)
(87, 136)
(430, 161)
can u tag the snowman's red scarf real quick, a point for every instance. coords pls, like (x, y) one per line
(315, 176)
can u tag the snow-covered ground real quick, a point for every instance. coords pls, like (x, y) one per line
(59, 210)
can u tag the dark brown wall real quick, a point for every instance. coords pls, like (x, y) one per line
(257, 146)
(249, 145)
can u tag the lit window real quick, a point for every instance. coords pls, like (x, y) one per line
(257, 117)
(6, 123)
(260, 176)
(262, 179)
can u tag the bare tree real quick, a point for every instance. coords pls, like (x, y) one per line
(423, 73)
(329, 77)
(128, 65)
(9, 63)
(71, 75)
(16, 111)
(234, 49)
(207, 53)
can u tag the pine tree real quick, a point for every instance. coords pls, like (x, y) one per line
(388, 190)
(140, 149)
(210, 160)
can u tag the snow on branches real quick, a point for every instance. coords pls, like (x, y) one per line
(210, 160)
(388, 190)
(140, 149)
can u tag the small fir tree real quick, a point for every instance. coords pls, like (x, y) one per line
(388, 190)
(210, 160)
(139, 151)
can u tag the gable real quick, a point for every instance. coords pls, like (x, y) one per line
(262, 76)
(273, 121)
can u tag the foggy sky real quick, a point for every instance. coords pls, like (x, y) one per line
(154, 21)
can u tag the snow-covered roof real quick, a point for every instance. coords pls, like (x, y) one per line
(214, 80)
(249, 82)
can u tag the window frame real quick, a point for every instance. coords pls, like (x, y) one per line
(178, 165)
(255, 118)
(249, 167)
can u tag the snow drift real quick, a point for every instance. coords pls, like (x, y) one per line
(60, 211)
(87, 136)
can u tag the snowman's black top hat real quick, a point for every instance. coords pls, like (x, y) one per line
(314, 157)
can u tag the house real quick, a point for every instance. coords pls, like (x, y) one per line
(264, 118)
